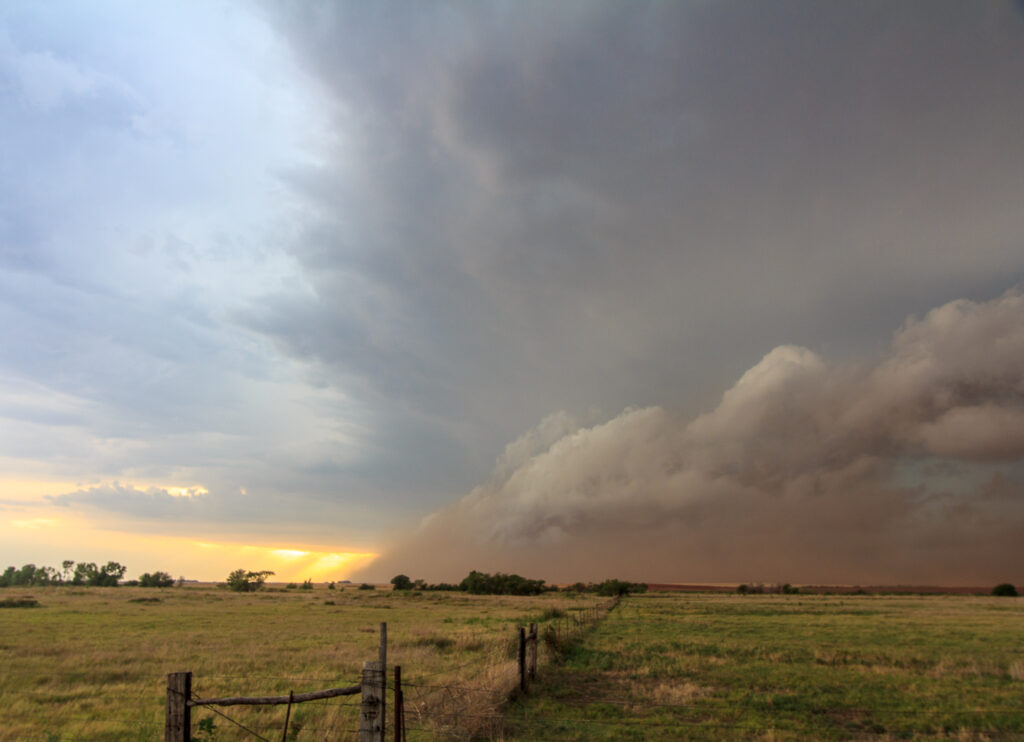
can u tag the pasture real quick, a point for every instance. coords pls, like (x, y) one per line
(90, 664)
(719, 667)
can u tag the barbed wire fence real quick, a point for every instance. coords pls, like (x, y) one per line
(456, 708)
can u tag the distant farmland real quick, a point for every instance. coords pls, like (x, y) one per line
(91, 664)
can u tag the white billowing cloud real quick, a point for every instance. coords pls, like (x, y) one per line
(800, 472)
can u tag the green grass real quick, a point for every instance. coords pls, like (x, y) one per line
(91, 664)
(670, 666)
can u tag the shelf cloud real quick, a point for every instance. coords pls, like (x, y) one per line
(902, 469)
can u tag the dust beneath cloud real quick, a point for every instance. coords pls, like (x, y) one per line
(906, 469)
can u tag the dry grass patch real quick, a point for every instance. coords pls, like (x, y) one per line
(92, 665)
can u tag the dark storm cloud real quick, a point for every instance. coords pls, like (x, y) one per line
(534, 207)
(338, 254)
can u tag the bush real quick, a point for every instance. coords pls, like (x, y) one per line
(307, 585)
(550, 614)
(367, 586)
(26, 602)
(1005, 589)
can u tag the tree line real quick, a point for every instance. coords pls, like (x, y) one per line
(86, 574)
(481, 583)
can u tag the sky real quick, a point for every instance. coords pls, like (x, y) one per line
(668, 291)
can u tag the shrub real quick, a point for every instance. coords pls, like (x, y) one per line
(555, 643)
(367, 586)
(550, 614)
(307, 585)
(1005, 589)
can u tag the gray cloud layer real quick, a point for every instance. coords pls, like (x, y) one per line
(338, 254)
(905, 470)
(535, 207)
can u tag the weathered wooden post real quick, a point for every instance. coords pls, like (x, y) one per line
(522, 659)
(370, 729)
(399, 711)
(531, 670)
(178, 723)
(382, 652)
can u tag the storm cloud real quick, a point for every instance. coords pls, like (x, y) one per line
(535, 207)
(336, 255)
(906, 469)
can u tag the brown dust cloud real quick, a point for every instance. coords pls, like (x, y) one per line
(902, 469)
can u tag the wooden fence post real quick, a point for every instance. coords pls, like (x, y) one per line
(522, 659)
(178, 723)
(382, 652)
(531, 670)
(399, 712)
(370, 729)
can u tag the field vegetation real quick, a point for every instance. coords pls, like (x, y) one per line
(83, 663)
(90, 663)
(787, 666)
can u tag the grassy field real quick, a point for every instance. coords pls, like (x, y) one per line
(674, 666)
(91, 663)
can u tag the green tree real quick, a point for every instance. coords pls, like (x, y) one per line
(110, 574)
(245, 581)
(1005, 589)
(85, 573)
(157, 579)
(26, 575)
(481, 583)
(401, 582)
